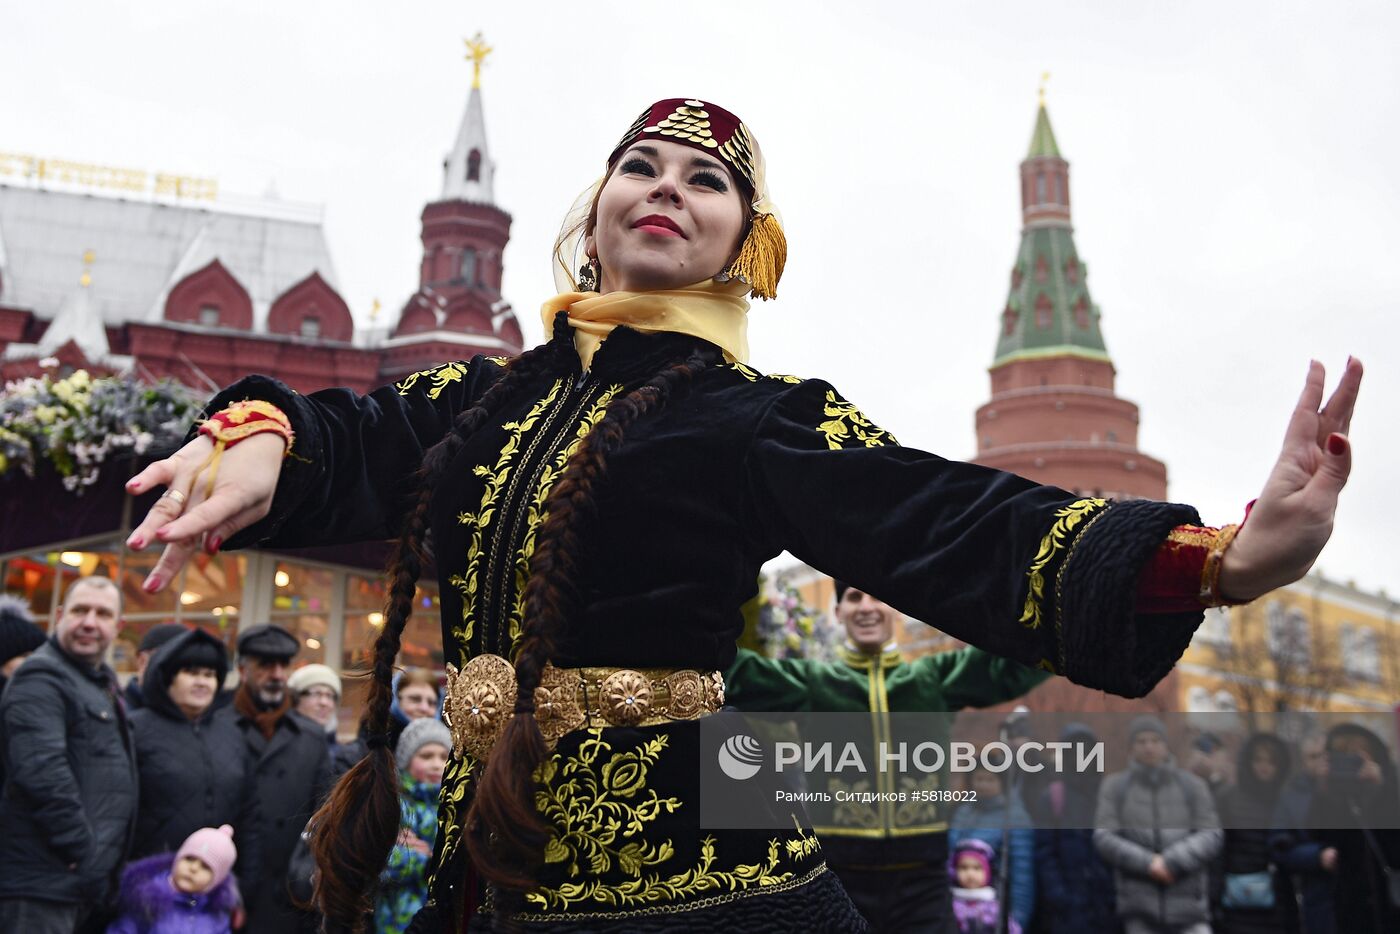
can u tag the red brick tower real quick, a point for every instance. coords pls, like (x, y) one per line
(1053, 415)
(458, 309)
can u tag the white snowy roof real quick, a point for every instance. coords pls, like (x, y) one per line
(142, 249)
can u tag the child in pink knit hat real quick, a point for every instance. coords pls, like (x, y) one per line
(189, 892)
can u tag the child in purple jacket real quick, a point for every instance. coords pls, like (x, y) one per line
(975, 904)
(190, 892)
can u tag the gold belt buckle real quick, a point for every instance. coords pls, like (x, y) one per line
(481, 698)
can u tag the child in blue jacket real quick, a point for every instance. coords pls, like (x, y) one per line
(421, 754)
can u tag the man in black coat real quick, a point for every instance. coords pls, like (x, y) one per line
(292, 769)
(69, 803)
(195, 768)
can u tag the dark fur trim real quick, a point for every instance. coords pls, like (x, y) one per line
(1106, 642)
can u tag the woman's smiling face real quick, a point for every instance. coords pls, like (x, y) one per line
(668, 216)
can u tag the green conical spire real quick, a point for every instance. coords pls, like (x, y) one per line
(1043, 139)
(1049, 311)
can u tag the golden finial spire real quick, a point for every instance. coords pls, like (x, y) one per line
(1044, 77)
(477, 50)
(374, 312)
(88, 257)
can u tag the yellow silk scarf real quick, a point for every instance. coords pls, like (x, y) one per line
(714, 311)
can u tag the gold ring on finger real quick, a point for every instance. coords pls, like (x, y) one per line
(175, 495)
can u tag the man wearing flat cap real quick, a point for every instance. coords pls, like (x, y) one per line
(292, 770)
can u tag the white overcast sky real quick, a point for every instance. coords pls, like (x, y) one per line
(1235, 178)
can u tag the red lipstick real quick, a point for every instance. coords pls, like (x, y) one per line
(659, 225)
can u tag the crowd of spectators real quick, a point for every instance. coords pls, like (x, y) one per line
(177, 803)
(173, 803)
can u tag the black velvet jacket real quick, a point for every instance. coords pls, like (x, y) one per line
(736, 468)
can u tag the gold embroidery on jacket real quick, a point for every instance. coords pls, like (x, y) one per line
(442, 377)
(599, 818)
(753, 376)
(804, 846)
(467, 583)
(456, 779)
(1055, 540)
(535, 513)
(600, 806)
(853, 808)
(847, 426)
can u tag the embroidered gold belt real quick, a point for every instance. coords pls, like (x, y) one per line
(481, 698)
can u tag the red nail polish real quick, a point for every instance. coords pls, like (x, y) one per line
(137, 542)
(1336, 445)
(214, 544)
(152, 584)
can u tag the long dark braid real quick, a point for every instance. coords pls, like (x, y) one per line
(506, 834)
(354, 831)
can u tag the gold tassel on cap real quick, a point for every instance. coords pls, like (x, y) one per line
(762, 257)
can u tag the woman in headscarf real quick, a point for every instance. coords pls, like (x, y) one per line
(194, 767)
(598, 509)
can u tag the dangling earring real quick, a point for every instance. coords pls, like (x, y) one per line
(588, 275)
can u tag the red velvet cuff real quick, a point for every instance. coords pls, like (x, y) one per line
(1184, 572)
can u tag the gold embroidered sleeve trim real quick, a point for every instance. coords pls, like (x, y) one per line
(847, 427)
(753, 376)
(441, 377)
(1054, 542)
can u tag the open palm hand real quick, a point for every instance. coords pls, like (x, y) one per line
(1292, 519)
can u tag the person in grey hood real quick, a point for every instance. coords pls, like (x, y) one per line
(195, 768)
(1157, 826)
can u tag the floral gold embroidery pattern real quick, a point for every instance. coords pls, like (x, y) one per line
(853, 809)
(847, 427)
(1055, 540)
(804, 846)
(442, 377)
(599, 812)
(753, 376)
(495, 478)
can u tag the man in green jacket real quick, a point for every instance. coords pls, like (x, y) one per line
(891, 858)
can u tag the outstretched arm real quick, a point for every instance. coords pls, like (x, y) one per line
(345, 477)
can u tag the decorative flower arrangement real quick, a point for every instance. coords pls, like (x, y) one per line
(787, 628)
(77, 422)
